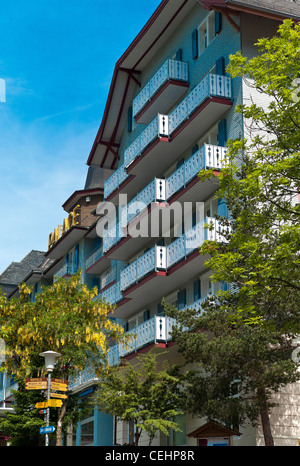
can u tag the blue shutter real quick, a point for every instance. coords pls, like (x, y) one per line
(76, 261)
(218, 22)
(222, 208)
(225, 286)
(195, 148)
(222, 133)
(146, 315)
(129, 123)
(96, 282)
(197, 289)
(126, 326)
(181, 162)
(97, 242)
(220, 66)
(194, 218)
(181, 298)
(195, 43)
(179, 55)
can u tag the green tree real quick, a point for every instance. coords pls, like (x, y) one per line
(260, 183)
(236, 369)
(145, 393)
(22, 426)
(66, 318)
(254, 327)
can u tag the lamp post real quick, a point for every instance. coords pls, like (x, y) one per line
(50, 357)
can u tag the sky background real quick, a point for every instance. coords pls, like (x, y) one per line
(57, 59)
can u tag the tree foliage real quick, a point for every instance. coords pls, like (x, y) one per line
(65, 318)
(244, 336)
(143, 393)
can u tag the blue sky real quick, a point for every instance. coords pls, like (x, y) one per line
(57, 59)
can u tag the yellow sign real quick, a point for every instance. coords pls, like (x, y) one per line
(42, 405)
(58, 395)
(54, 403)
(68, 223)
(36, 384)
(59, 386)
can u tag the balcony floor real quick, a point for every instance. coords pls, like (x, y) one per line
(170, 92)
(159, 284)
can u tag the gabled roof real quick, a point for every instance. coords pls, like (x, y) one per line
(17, 271)
(161, 25)
(278, 9)
(212, 429)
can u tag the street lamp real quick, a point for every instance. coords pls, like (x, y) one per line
(50, 357)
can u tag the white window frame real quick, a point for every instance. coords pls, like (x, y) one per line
(206, 32)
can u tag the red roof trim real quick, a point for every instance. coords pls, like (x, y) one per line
(148, 25)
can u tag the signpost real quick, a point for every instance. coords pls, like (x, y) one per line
(47, 430)
(57, 385)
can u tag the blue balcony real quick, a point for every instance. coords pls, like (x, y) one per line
(156, 330)
(163, 258)
(163, 89)
(163, 126)
(159, 191)
(170, 134)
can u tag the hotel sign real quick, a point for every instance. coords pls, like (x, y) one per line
(68, 223)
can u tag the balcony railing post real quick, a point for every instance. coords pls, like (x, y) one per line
(163, 125)
(160, 328)
(160, 189)
(160, 258)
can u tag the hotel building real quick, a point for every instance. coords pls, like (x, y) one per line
(169, 112)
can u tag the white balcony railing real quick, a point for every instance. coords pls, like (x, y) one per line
(157, 128)
(154, 191)
(208, 156)
(157, 329)
(164, 257)
(171, 69)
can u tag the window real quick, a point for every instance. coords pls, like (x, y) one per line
(87, 433)
(206, 32)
